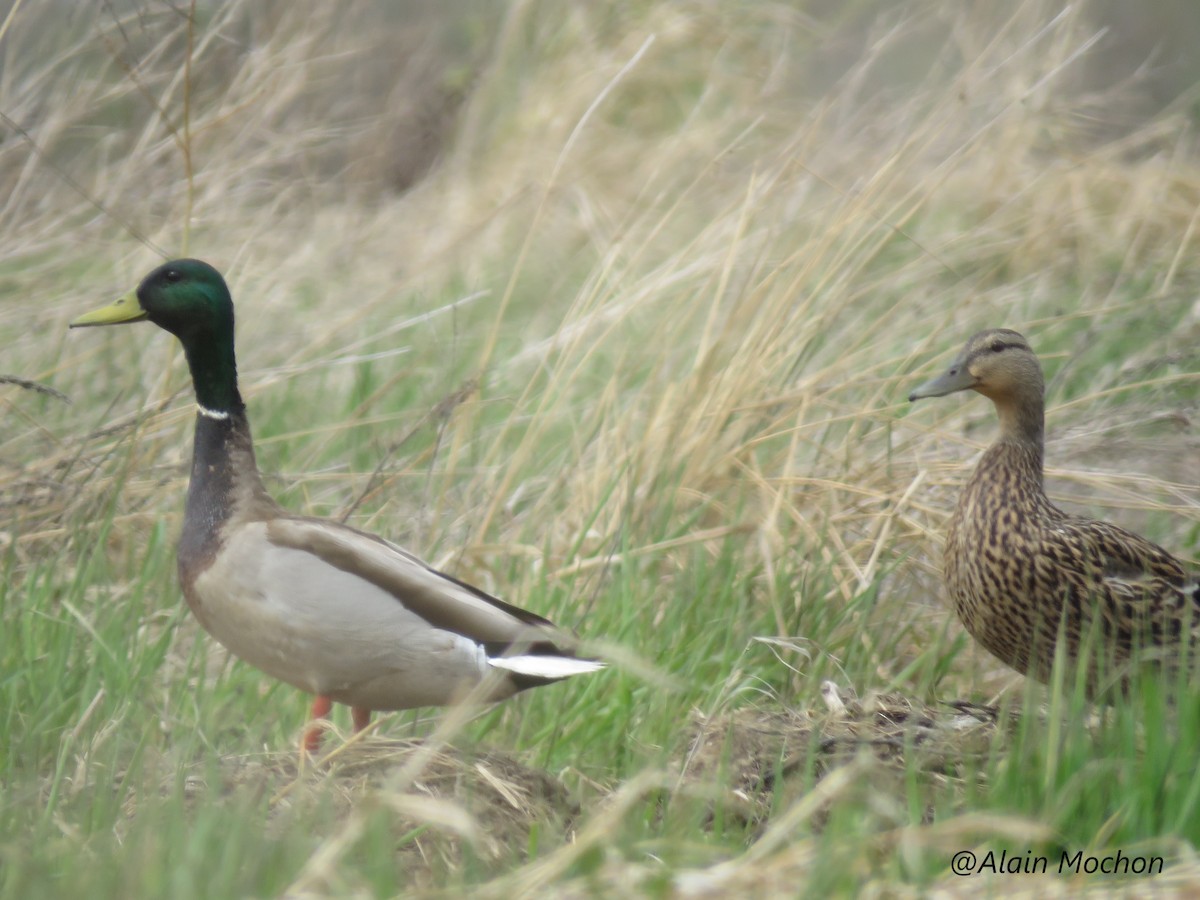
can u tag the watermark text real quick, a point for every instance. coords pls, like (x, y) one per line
(1002, 862)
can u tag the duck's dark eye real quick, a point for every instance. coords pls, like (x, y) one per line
(997, 346)
(173, 275)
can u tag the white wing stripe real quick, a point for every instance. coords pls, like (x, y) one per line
(546, 666)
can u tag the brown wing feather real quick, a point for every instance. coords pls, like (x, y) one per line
(1123, 554)
(1138, 589)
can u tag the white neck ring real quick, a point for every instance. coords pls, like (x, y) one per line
(211, 413)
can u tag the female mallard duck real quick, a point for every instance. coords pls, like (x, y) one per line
(322, 606)
(1021, 571)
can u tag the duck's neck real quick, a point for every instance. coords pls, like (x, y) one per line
(1022, 420)
(1018, 453)
(225, 483)
(214, 374)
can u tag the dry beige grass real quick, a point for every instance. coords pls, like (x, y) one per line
(758, 237)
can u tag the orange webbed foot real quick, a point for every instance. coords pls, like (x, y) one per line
(316, 728)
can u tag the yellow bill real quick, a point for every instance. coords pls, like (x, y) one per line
(123, 309)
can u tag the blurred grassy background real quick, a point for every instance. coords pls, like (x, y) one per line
(611, 309)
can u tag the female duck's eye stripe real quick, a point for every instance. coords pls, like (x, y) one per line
(997, 346)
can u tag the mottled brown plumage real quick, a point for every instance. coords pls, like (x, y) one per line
(1022, 572)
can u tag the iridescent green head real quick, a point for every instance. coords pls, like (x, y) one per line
(190, 299)
(187, 297)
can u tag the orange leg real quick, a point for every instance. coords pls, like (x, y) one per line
(312, 735)
(361, 716)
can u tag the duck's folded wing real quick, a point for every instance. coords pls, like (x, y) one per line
(442, 601)
(1118, 553)
(1138, 587)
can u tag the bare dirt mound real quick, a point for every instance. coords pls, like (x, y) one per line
(761, 758)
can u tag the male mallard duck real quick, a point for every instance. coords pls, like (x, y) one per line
(1018, 568)
(322, 606)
